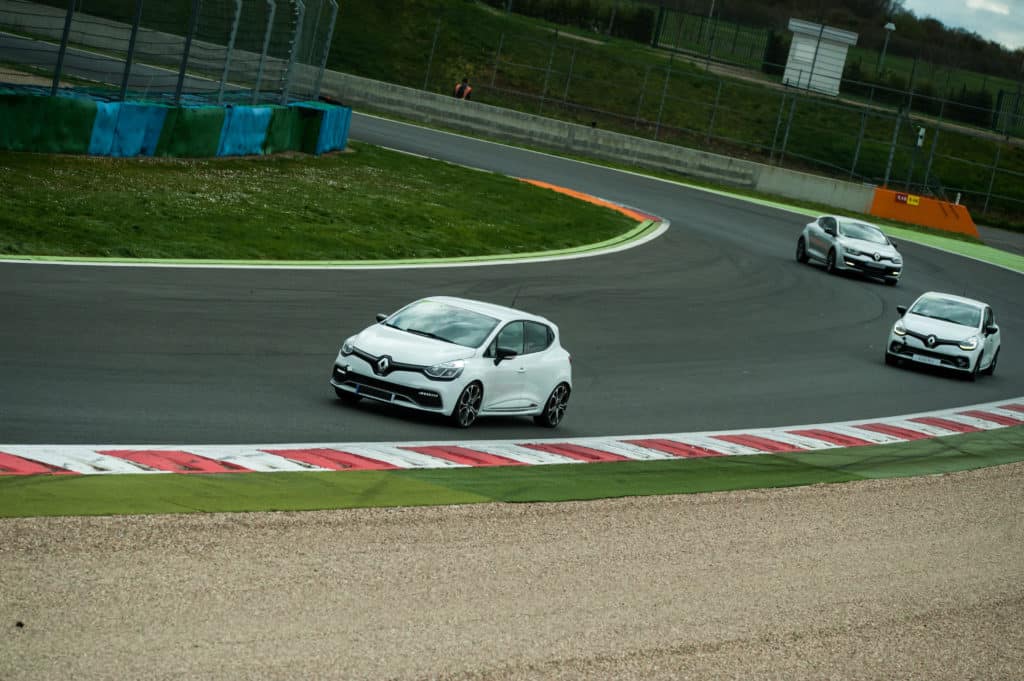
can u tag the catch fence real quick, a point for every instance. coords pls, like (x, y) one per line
(202, 50)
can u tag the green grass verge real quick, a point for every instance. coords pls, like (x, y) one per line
(370, 204)
(142, 494)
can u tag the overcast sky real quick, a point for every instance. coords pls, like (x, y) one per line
(998, 20)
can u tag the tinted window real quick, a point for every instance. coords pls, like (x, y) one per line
(862, 231)
(510, 339)
(444, 322)
(538, 337)
(947, 310)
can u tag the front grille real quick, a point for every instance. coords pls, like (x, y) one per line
(370, 386)
(955, 361)
(923, 337)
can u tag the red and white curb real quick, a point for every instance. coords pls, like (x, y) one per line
(121, 459)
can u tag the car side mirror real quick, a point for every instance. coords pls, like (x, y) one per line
(893, 244)
(381, 316)
(503, 353)
(902, 309)
(991, 329)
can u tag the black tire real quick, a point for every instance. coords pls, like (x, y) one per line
(554, 408)
(891, 281)
(830, 261)
(992, 367)
(972, 375)
(801, 250)
(346, 397)
(467, 407)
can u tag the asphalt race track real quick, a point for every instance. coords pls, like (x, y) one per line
(712, 326)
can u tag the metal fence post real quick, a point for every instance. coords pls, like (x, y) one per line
(231, 48)
(860, 139)
(430, 58)
(789, 125)
(778, 124)
(300, 14)
(272, 6)
(192, 22)
(327, 49)
(814, 59)
(131, 49)
(935, 143)
(714, 111)
(892, 147)
(640, 101)
(497, 58)
(992, 179)
(547, 74)
(568, 78)
(664, 91)
(63, 48)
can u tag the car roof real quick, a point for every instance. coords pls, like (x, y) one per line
(949, 296)
(500, 312)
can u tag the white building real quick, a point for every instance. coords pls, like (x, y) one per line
(817, 56)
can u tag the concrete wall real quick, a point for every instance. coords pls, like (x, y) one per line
(475, 117)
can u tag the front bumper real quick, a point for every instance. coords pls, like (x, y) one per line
(945, 356)
(418, 392)
(870, 267)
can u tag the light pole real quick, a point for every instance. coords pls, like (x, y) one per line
(889, 28)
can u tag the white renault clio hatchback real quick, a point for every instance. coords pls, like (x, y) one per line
(460, 358)
(947, 331)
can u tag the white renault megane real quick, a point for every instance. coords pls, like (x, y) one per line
(461, 358)
(948, 331)
(847, 244)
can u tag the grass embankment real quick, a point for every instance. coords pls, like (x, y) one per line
(368, 204)
(132, 494)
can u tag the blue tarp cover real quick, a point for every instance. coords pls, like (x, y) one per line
(334, 129)
(244, 130)
(126, 129)
(103, 127)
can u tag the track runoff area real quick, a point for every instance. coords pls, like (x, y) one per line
(813, 446)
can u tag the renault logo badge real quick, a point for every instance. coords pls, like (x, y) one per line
(930, 341)
(878, 256)
(383, 364)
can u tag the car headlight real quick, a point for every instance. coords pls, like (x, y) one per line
(969, 343)
(446, 371)
(897, 259)
(348, 347)
(851, 251)
(899, 328)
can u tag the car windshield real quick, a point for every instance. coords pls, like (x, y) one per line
(862, 231)
(444, 322)
(947, 310)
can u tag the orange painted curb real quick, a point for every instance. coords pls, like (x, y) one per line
(636, 215)
(921, 210)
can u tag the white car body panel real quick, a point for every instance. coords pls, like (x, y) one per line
(930, 341)
(520, 384)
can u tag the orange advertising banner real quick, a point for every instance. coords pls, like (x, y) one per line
(924, 211)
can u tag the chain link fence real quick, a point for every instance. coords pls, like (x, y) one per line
(243, 51)
(696, 101)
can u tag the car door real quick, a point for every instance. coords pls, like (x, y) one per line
(505, 381)
(991, 340)
(540, 373)
(820, 239)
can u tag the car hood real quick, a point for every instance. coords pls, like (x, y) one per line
(408, 348)
(870, 247)
(940, 329)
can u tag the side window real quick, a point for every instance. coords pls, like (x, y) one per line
(538, 337)
(510, 339)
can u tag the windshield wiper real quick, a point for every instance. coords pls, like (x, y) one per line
(427, 334)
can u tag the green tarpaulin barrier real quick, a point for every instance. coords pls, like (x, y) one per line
(53, 125)
(191, 132)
